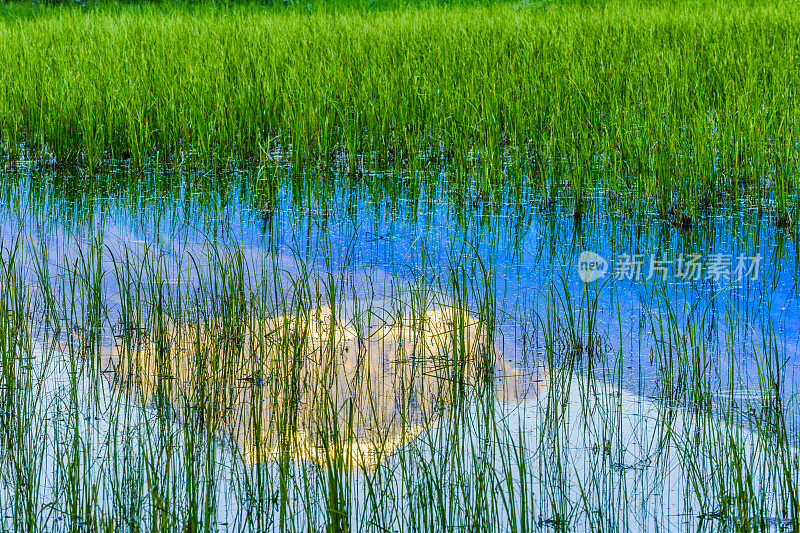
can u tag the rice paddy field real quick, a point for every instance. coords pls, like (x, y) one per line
(400, 266)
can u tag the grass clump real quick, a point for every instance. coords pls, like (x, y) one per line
(666, 106)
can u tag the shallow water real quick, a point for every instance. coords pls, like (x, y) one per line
(664, 343)
(530, 257)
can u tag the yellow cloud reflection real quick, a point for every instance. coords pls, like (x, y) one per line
(315, 385)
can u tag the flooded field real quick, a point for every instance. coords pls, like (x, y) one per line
(182, 353)
(399, 265)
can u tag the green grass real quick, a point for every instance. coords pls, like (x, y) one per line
(181, 125)
(665, 106)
